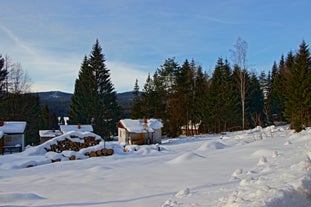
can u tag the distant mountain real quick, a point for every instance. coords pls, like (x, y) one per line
(59, 102)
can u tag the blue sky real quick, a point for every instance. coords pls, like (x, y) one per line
(50, 38)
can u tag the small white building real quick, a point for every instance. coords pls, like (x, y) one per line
(139, 131)
(12, 135)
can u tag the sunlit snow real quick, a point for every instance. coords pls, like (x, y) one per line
(260, 167)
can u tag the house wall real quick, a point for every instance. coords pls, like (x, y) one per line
(122, 136)
(139, 138)
(14, 139)
(157, 136)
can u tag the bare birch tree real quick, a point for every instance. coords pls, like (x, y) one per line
(19, 81)
(238, 55)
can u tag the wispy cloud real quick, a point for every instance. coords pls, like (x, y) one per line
(18, 43)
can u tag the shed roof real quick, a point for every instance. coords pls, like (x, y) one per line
(13, 127)
(49, 133)
(80, 128)
(138, 125)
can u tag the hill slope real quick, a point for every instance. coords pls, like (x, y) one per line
(59, 102)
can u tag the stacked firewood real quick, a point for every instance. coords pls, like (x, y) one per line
(76, 144)
(98, 153)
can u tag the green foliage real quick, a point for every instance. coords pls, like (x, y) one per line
(94, 99)
(48, 120)
(298, 96)
(254, 103)
(222, 104)
(136, 110)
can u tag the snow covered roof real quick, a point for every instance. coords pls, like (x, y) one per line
(13, 127)
(139, 126)
(80, 128)
(49, 133)
(68, 135)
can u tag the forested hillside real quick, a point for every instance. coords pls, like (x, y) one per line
(58, 102)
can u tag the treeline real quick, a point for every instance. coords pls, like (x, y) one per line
(16, 104)
(231, 98)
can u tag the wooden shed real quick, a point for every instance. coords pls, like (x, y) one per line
(12, 137)
(46, 135)
(139, 131)
(78, 127)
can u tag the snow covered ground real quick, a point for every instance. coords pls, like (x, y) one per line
(261, 167)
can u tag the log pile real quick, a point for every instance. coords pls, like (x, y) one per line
(76, 144)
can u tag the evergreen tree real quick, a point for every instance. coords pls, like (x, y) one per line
(44, 118)
(254, 103)
(200, 98)
(94, 98)
(48, 120)
(136, 110)
(148, 98)
(182, 100)
(84, 102)
(298, 102)
(222, 103)
(164, 79)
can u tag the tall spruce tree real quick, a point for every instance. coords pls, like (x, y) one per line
(83, 102)
(254, 103)
(136, 110)
(222, 102)
(94, 100)
(298, 103)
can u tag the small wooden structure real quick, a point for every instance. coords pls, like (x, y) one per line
(78, 128)
(139, 131)
(46, 135)
(12, 137)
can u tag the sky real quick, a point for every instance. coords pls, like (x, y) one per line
(50, 38)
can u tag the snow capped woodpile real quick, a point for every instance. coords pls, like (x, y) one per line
(75, 145)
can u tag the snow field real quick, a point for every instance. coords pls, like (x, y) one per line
(268, 167)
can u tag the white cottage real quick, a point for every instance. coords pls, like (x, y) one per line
(12, 135)
(139, 131)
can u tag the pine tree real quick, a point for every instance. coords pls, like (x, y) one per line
(44, 118)
(200, 98)
(94, 100)
(254, 102)
(85, 97)
(298, 104)
(136, 110)
(222, 103)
